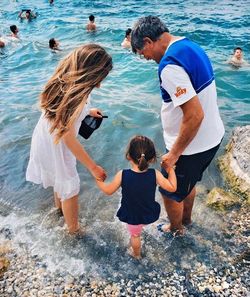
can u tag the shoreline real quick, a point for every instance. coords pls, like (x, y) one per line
(28, 275)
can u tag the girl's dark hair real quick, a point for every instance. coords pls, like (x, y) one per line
(142, 151)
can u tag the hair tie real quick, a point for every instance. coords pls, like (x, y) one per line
(142, 155)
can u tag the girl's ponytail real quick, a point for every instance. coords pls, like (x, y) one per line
(142, 164)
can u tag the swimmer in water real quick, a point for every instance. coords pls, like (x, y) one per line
(27, 14)
(127, 40)
(54, 45)
(14, 31)
(237, 58)
(91, 26)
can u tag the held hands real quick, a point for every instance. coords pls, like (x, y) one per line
(95, 112)
(168, 161)
(98, 173)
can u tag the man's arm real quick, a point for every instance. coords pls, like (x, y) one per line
(191, 121)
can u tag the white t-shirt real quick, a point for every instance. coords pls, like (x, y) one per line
(178, 88)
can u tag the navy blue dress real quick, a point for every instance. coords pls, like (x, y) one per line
(138, 205)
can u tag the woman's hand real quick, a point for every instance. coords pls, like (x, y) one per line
(81, 155)
(98, 173)
(95, 112)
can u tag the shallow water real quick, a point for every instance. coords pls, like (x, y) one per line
(130, 97)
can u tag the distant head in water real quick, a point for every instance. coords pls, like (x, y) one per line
(14, 31)
(54, 44)
(237, 58)
(91, 26)
(127, 40)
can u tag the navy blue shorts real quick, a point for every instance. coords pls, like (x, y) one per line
(189, 170)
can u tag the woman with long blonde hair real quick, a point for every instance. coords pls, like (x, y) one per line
(54, 146)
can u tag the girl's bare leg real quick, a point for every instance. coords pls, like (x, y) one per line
(70, 210)
(135, 242)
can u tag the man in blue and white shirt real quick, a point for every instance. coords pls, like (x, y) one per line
(192, 127)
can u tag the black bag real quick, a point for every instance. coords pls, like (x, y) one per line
(89, 125)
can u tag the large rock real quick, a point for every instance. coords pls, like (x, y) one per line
(221, 200)
(235, 164)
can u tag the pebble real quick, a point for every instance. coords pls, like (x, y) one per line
(225, 285)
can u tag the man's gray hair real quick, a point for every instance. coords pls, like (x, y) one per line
(149, 26)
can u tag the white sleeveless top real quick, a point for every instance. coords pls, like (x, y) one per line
(53, 165)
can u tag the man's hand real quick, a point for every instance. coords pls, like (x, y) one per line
(169, 160)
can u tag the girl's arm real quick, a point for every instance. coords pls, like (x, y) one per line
(168, 184)
(81, 155)
(110, 188)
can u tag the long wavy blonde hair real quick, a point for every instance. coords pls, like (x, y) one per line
(69, 87)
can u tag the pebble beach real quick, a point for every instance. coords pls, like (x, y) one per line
(26, 275)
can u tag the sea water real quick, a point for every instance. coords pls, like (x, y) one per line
(130, 97)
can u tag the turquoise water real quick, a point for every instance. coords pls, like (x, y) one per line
(129, 96)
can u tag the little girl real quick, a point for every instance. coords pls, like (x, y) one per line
(138, 205)
(54, 146)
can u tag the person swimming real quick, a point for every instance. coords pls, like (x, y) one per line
(237, 59)
(54, 45)
(127, 40)
(14, 31)
(27, 14)
(91, 26)
(2, 42)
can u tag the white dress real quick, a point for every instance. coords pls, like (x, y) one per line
(53, 165)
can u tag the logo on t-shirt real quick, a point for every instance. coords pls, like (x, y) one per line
(180, 91)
